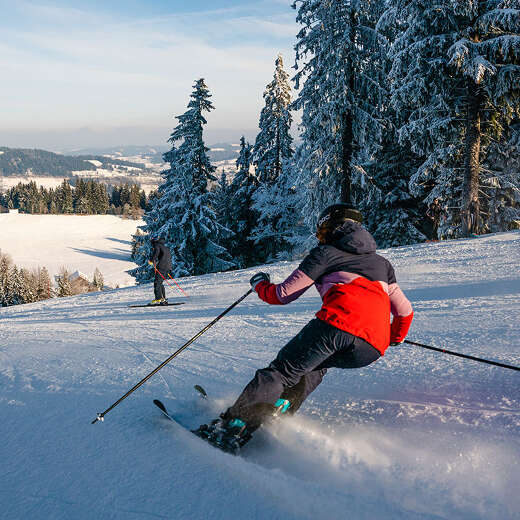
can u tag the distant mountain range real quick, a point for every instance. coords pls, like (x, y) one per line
(15, 162)
(21, 161)
(218, 151)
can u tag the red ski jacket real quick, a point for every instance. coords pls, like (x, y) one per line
(358, 288)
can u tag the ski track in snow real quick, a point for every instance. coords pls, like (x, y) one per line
(417, 435)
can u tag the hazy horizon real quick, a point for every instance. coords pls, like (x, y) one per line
(69, 140)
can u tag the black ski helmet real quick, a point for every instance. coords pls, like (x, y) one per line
(333, 216)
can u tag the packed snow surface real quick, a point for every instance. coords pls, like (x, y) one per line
(77, 242)
(416, 435)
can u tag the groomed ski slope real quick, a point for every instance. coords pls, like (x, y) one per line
(417, 435)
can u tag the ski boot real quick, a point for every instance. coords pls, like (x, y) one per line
(229, 435)
(163, 301)
(155, 302)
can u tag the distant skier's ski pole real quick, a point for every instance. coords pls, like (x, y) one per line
(100, 416)
(177, 284)
(157, 271)
(496, 363)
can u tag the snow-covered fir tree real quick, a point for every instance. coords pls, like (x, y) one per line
(501, 183)
(5, 267)
(221, 196)
(64, 285)
(340, 94)
(426, 98)
(182, 213)
(242, 217)
(29, 286)
(14, 288)
(453, 88)
(44, 286)
(271, 155)
(487, 55)
(273, 144)
(65, 198)
(391, 213)
(280, 228)
(98, 281)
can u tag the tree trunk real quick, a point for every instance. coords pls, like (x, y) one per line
(470, 186)
(346, 158)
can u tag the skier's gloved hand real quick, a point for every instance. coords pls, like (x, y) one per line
(150, 262)
(257, 278)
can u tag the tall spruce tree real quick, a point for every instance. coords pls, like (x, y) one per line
(454, 89)
(340, 95)
(273, 143)
(183, 211)
(427, 98)
(487, 55)
(272, 152)
(391, 213)
(242, 217)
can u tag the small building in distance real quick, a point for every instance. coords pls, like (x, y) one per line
(79, 282)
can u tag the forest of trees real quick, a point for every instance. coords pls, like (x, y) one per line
(20, 285)
(87, 197)
(401, 103)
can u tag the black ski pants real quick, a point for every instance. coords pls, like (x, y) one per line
(158, 286)
(299, 368)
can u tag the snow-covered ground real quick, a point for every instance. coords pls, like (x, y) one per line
(46, 182)
(417, 435)
(78, 242)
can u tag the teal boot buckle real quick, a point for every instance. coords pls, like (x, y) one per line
(236, 423)
(281, 405)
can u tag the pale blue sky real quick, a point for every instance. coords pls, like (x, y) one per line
(104, 64)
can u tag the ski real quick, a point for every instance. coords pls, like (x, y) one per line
(156, 305)
(161, 407)
(201, 391)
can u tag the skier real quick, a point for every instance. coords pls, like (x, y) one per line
(161, 260)
(351, 330)
(434, 215)
(473, 216)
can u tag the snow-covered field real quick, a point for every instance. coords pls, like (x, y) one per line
(46, 182)
(417, 435)
(75, 241)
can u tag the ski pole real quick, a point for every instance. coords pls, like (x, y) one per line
(101, 416)
(177, 284)
(157, 271)
(496, 363)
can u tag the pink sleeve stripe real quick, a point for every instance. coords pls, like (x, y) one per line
(293, 286)
(399, 303)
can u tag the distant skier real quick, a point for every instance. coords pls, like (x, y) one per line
(352, 329)
(473, 216)
(433, 214)
(161, 260)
